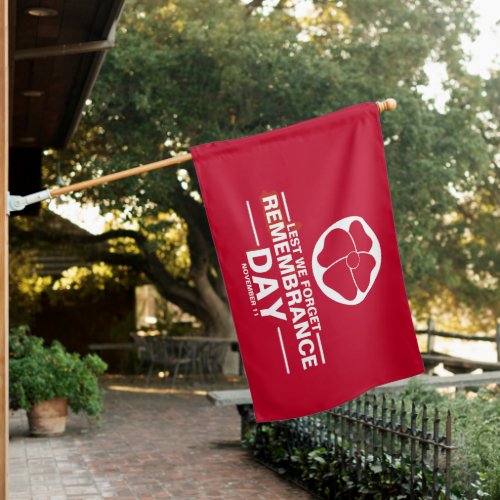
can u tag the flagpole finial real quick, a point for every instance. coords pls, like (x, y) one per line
(387, 105)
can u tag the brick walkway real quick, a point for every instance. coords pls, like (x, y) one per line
(150, 445)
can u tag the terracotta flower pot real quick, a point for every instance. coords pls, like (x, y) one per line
(48, 417)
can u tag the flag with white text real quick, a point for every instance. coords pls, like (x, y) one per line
(302, 222)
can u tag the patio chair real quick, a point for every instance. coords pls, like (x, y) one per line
(157, 351)
(213, 359)
(144, 353)
(174, 355)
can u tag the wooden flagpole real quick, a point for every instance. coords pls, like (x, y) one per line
(387, 105)
(120, 175)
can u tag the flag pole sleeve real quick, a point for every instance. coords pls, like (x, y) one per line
(386, 105)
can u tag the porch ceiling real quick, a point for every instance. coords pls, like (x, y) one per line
(55, 56)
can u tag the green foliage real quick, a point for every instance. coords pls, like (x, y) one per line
(330, 473)
(187, 72)
(38, 373)
(421, 394)
(25, 286)
(475, 465)
(476, 434)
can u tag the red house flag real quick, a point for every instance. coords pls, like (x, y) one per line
(302, 222)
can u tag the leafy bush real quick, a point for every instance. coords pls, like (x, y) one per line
(333, 473)
(475, 434)
(475, 464)
(38, 373)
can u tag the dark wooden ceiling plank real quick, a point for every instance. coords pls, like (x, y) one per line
(27, 25)
(19, 116)
(62, 87)
(23, 77)
(101, 17)
(73, 97)
(42, 73)
(41, 77)
(49, 28)
(23, 74)
(31, 75)
(78, 21)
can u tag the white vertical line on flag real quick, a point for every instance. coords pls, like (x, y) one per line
(283, 351)
(253, 224)
(285, 205)
(320, 345)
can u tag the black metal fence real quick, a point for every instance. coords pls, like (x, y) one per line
(369, 446)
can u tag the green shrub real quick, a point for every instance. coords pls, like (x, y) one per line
(475, 434)
(38, 373)
(329, 473)
(475, 465)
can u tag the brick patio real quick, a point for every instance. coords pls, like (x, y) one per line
(159, 444)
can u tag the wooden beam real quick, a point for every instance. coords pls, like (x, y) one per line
(64, 50)
(4, 248)
(433, 359)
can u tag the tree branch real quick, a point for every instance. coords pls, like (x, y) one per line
(118, 233)
(135, 261)
(181, 294)
(64, 238)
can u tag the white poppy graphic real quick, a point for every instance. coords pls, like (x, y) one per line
(346, 260)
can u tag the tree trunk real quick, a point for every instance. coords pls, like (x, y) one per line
(221, 321)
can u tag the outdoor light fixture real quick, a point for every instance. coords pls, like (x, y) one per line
(41, 11)
(33, 93)
(151, 320)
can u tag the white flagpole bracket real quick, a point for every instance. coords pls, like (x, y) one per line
(16, 203)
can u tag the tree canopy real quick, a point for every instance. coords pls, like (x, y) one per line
(186, 72)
